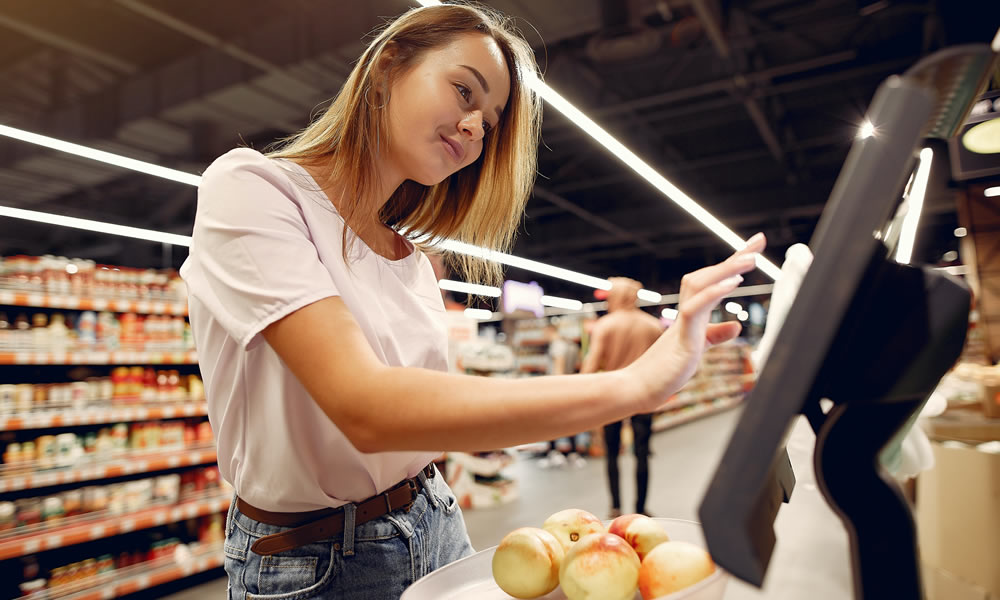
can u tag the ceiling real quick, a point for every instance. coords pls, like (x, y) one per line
(748, 106)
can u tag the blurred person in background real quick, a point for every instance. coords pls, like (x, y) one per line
(616, 340)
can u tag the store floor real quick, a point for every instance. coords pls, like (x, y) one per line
(811, 556)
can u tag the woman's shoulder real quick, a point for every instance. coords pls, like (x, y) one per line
(241, 159)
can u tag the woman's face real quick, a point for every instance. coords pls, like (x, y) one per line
(441, 109)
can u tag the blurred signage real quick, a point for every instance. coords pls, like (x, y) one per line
(518, 296)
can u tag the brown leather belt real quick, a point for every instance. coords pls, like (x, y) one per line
(320, 524)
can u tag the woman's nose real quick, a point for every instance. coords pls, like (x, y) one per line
(472, 125)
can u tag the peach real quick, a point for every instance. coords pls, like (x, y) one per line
(526, 563)
(570, 525)
(673, 566)
(640, 531)
(600, 566)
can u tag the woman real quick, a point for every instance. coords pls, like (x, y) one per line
(318, 324)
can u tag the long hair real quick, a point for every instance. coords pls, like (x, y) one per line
(483, 203)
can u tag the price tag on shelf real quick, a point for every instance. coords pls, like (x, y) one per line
(16, 483)
(97, 532)
(143, 582)
(127, 525)
(36, 300)
(32, 546)
(108, 593)
(143, 307)
(174, 461)
(160, 518)
(53, 541)
(159, 308)
(6, 297)
(192, 511)
(23, 358)
(100, 304)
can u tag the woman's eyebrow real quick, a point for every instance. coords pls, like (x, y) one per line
(486, 86)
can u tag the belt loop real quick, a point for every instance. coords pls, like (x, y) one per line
(349, 511)
(230, 518)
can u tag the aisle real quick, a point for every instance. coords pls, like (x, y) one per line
(810, 560)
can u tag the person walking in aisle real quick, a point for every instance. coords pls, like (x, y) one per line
(563, 356)
(617, 340)
(319, 323)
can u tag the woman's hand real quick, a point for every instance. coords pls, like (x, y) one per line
(673, 359)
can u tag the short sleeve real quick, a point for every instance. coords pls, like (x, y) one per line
(252, 260)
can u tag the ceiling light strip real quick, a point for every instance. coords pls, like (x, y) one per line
(524, 263)
(469, 288)
(100, 155)
(99, 226)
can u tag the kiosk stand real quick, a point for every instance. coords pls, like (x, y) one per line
(872, 335)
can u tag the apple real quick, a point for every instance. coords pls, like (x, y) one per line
(600, 566)
(570, 525)
(640, 531)
(673, 566)
(526, 563)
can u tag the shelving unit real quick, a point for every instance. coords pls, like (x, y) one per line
(13, 479)
(54, 540)
(94, 526)
(120, 582)
(98, 416)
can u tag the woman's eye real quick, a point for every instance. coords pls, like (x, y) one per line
(464, 91)
(487, 127)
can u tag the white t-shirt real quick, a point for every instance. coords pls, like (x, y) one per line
(266, 243)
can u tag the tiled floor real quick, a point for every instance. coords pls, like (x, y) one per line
(811, 556)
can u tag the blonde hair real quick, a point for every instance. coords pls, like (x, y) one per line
(481, 204)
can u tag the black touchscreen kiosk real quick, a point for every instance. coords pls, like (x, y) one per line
(872, 335)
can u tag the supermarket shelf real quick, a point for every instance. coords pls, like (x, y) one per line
(146, 307)
(92, 416)
(47, 538)
(666, 422)
(98, 358)
(143, 463)
(129, 580)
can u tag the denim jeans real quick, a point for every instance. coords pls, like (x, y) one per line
(376, 560)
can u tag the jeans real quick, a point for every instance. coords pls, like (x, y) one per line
(642, 428)
(376, 560)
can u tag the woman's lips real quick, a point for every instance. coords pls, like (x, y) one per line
(453, 148)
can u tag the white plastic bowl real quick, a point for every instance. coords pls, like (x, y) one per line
(472, 577)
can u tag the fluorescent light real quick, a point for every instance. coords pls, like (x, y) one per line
(669, 313)
(479, 314)
(734, 307)
(866, 130)
(992, 192)
(99, 226)
(469, 288)
(557, 302)
(743, 316)
(961, 232)
(950, 256)
(100, 155)
(524, 263)
(914, 205)
(649, 296)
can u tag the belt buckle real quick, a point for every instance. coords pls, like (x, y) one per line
(412, 485)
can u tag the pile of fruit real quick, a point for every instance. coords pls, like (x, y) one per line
(573, 549)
